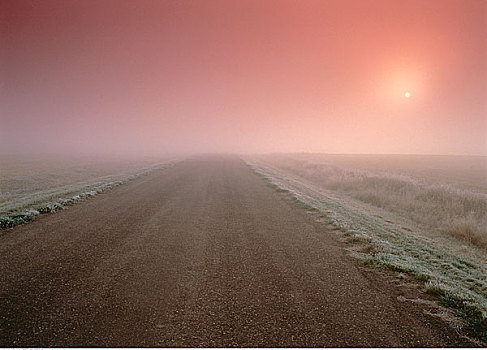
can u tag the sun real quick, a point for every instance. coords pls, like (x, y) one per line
(407, 94)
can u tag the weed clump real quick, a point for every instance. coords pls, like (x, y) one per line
(463, 308)
(9, 221)
(466, 229)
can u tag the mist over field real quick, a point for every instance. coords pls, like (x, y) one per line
(245, 173)
(443, 193)
(154, 77)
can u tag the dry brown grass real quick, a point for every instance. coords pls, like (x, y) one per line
(467, 230)
(450, 208)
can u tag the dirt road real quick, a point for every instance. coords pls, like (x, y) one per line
(202, 254)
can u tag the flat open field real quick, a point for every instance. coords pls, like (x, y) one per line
(442, 193)
(468, 172)
(25, 181)
(204, 253)
(70, 169)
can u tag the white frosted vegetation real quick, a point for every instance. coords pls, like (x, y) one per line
(442, 207)
(457, 276)
(23, 207)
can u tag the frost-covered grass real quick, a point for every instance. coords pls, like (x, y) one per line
(43, 189)
(458, 277)
(446, 207)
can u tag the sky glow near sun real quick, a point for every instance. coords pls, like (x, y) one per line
(156, 76)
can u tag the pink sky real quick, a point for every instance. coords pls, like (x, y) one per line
(150, 77)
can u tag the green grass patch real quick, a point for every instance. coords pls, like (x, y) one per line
(470, 313)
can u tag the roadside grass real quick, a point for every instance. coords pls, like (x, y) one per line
(466, 229)
(302, 204)
(24, 215)
(277, 188)
(442, 207)
(458, 282)
(471, 314)
(18, 215)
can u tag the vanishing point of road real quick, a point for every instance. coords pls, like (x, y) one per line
(200, 254)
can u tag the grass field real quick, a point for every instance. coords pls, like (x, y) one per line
(432, 229)
(32, 185)
(447, 194)
(467, 172)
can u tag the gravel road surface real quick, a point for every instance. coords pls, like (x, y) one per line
(201, 254)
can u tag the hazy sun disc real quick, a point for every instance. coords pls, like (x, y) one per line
(407, 94)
